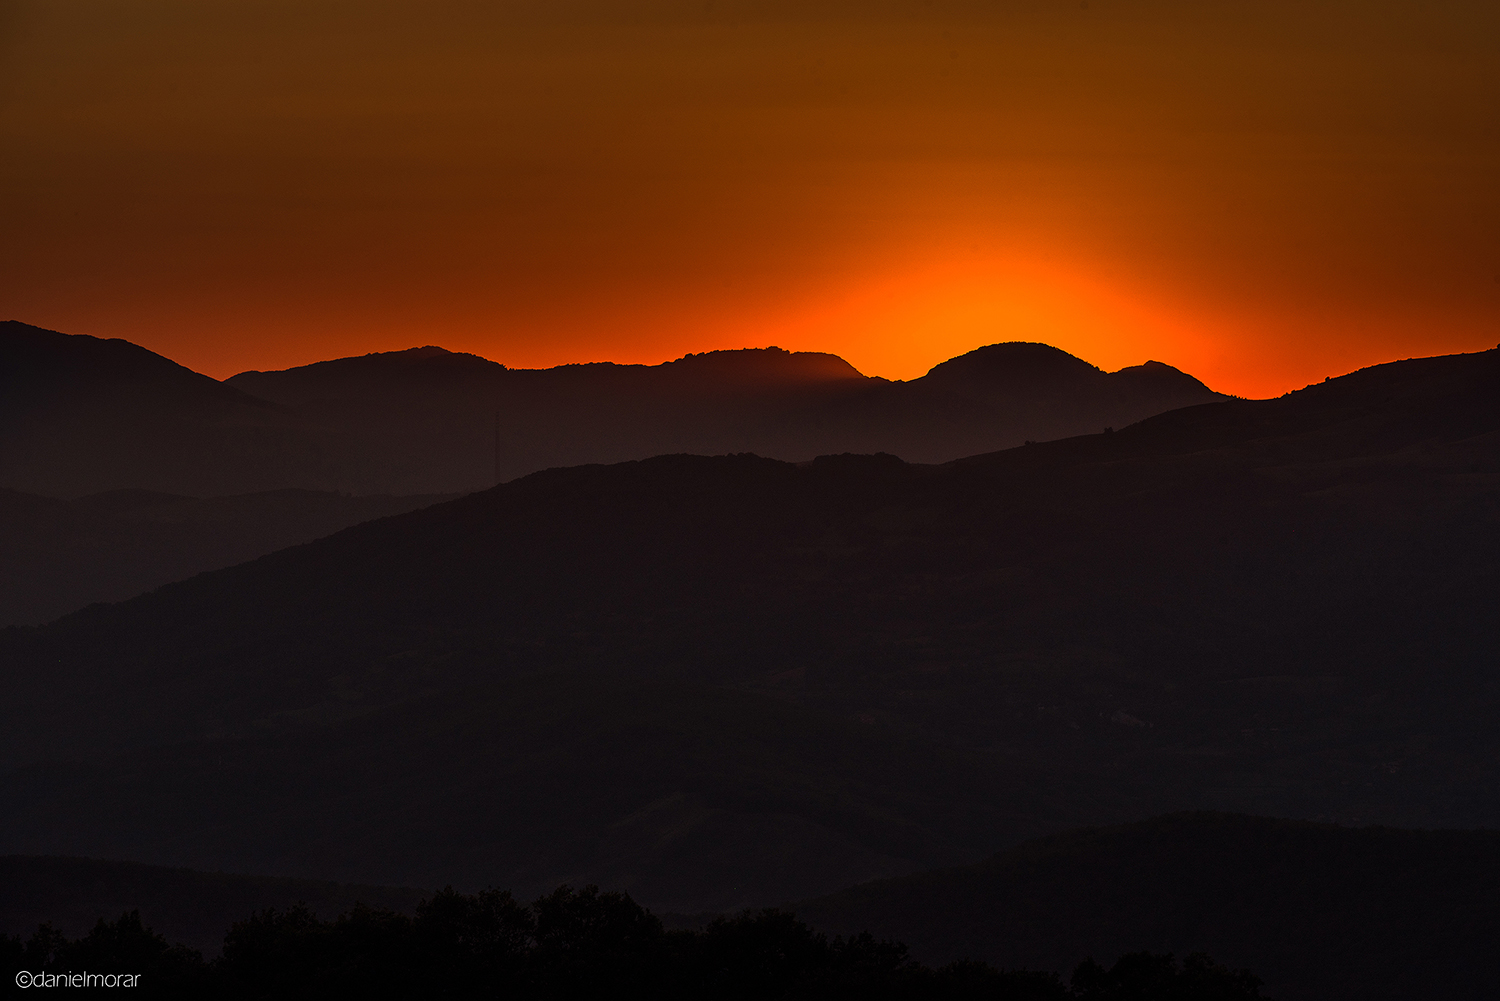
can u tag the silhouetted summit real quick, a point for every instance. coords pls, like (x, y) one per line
(767, 366)
(1013, 367)
(1026, 371)
(415, 370)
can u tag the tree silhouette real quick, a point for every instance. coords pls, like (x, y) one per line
(575, 944)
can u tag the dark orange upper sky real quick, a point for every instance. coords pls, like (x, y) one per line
(1258, 191)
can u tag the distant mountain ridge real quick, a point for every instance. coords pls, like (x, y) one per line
(740, 367)
(82, 415)
(775, 403)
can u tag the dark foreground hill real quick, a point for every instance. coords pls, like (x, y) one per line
(57, 556)
(80, 415)
(719, 682)
(568, 944)
(1319, 912)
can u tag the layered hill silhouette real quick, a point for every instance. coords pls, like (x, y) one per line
(126, 470)
(459, 414)
(1318, 911)
(80, 415)
(57, 556)
(726, 681)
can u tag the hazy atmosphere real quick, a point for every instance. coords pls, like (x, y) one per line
(1262, 193)
(904, 500)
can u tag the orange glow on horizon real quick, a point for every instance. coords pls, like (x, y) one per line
(1262, 193)
(896, 325)
(899, 324)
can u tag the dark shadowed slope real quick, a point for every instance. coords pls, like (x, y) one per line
(1282, 607)
(57, 556)
(195, 908)
(455, 417)
(694, 798)
(1322, 913)
(80, 415)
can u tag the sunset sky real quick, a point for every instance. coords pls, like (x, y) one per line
(1261, 192)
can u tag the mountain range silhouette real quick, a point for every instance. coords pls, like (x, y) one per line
(80, 415)
(728, 681)
(121, 471)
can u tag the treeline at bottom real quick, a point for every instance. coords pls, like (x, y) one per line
(576, 944)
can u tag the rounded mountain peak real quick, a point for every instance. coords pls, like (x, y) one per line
(1010, 365)
(764, 365)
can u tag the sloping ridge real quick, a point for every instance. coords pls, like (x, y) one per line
(428, 368)
(81, 414)
(70, 370)
(58, 556)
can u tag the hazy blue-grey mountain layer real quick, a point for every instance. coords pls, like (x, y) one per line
(56, 556)
(80, 415)
(720, 681)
